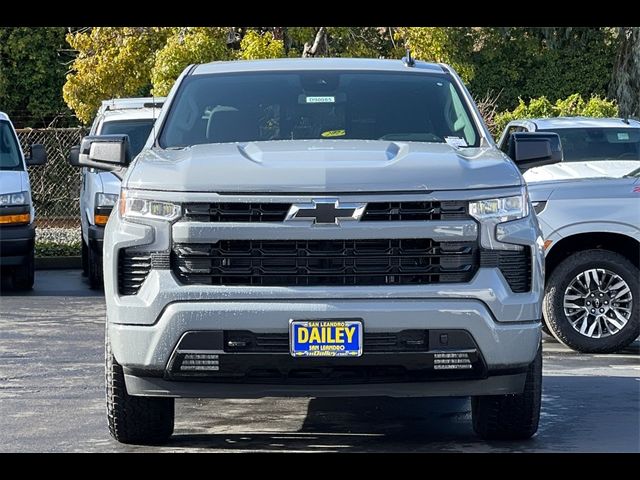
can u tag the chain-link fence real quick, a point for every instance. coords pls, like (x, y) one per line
(55, 189)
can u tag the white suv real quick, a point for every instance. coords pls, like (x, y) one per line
(99, 192)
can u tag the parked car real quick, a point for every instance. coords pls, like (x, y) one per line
(17, 228)
(592, 239)
(99, 192)
(588, 219)
(592, 147)
(322, 227)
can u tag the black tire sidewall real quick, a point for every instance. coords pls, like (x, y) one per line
(94, 262)
(553, 304)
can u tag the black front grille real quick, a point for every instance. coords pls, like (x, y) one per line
(408, 211)
(236, 212)
(244, 341)
(134, 267)
(276, 212)
(324, 262)
(514, 265)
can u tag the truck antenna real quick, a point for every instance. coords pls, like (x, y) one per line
(409, 61)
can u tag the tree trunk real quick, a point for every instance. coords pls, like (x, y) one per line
(319, 46)
(625, 81)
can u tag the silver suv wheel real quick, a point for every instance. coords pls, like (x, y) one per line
(598, 303)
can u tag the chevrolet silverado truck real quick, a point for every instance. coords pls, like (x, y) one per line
(322, 227)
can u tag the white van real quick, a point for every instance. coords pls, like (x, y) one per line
(17, 230)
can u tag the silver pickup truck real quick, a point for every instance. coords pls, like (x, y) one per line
(322, 227)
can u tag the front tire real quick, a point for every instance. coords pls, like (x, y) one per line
(94, 264)
(85, 258)
(513, 416)
(591, 301)
(135, 420)
(24, 275)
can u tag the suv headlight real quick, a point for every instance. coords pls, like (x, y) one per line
(134, 207)
(15, 208)
(103, 206)
(500, 209)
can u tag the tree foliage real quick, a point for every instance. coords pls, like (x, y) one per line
(183, 47)
(110, 62)
(450, 45)
(255, 45)
(498, 63)
(32, 69)
(625, 84)
(520, 62)
(572, 106)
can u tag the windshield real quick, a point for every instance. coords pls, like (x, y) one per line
(584, 144)
(9, 151)
(138, 131)
(296, 105)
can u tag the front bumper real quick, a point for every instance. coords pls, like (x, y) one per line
(16, 244)
(505, 348)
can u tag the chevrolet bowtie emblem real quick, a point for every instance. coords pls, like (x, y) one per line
(327, 211)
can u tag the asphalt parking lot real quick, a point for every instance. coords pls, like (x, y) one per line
(51, 397)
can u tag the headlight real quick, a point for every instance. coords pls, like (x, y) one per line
(15, 208)
(14, 199)
(500, 209)
(132, 207)
(106, 199)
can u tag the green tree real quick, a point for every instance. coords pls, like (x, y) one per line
(32, 72)
(110, 62)
(183, 47)
(450, 45)
(572, 106)
(254, 45)
(625, 83)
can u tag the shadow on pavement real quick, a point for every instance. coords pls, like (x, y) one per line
(578, 414)
(53, 283)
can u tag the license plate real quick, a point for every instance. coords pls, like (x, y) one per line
(325, 338)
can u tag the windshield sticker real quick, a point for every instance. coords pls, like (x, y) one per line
(333, 133)
(456, 141)
(623, 136)
(321, 99)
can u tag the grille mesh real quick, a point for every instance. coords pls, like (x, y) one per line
(324, 262)
(276, 212)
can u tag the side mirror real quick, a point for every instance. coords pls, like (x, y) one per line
(37, 155)
(74, 156)
(104, 152)
(534, 149)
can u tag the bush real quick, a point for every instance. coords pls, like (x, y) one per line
(52, 249)
(58, 242)
(541, 107)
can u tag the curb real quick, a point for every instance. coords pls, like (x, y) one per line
(58, 263)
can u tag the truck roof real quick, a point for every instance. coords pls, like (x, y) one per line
(582, 122)
(4, 116)
(316, 64)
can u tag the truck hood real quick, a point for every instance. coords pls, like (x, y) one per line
(13, 181)
(321, 166)
(110, 183)
(583, 189)
(590, 169)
